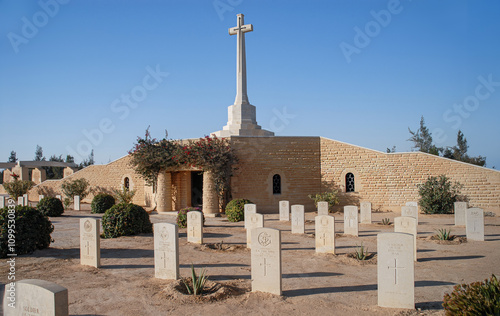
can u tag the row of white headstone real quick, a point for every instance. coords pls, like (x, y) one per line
(23, 200)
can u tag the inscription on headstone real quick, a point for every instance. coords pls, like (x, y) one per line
(395, 270)
(474, 227)
(195, 227)
(90, 243)
(254, 221)
(284, 211)
(351, 226)
(365, 212)
(325, 234)
(166, 248)
(298, 219)
(266, 260)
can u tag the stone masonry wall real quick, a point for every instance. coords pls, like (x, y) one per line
(295, 159)
(390, 180)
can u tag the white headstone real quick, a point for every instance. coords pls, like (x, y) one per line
(460, 208)
(254, 221)
(298, 219)
(90, 242)
(266, 260)
(59, 197)
(322, 208)
(76, 199)
(411, 211)
(25, 200)
(2, 201)
(249, 209)
(365, 212)
(36, 297)
(195, 227)
(415, 204)
(395, 270)
(406, 224)
(20, 201)
(351, 226)
(166, 248)
(474, 227)
(325, 234)
(284, 211)
(40, 197)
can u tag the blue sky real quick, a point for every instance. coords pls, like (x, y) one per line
(357, 71)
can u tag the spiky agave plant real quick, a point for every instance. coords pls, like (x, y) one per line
(443, 234)
(198, 282)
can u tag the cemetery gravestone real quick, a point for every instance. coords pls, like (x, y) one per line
(395, 270)
(37, 297)
(59, 197)
(366, 212)
(298, 219)
(195, 227)
(325, 234)
(76, 199)
(2, 201)
(406, 224)
(40, 197)
(166, 249)
(254, 221)
(351, 226)
(249, 209)
(20, 201)
(474, 227)
(25, 200)
(322, 208)
(284, 211)
(415, 204)
(266, 260)
(459, 210)
(90, 243)
(411, 211)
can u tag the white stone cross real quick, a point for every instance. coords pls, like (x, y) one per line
(241, 63)
(265, 266)
(395, 270)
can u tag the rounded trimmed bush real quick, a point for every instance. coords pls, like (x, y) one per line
(235, 210)
(101, 203)
(31, 230)
(182, 216)
(126, 220)
(50, 206)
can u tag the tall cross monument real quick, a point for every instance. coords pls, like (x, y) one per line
(241, 115)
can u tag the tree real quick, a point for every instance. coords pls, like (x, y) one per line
(391, 150)
(39, 153)
(438, 194)
(89, 161)
(12, 157)
(70, 159)
(422, 139)
(459, 152)
(54, 172)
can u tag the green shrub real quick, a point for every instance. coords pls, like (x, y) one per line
(477, 298)
(331, 197)
(18, 188)
(101, 203)
(125, 220)
(32, 230)
(182, 216)
(124, 195)
(235, 210)
(50, 206)
(78, 187)
(438, 194)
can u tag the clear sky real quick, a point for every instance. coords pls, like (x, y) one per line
(82, 74)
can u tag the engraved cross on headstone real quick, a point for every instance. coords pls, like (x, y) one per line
(87, 246)
(323, 237)
(164, 258)
(191, 230)
(265, 264)
(395, 270)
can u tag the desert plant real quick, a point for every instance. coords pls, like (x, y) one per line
(235, 210)
(67, 203)
(78, 187)
(125, 220)
(32, 230)
(197, 283)
(438, 194)
(331, 197)
(443, 234)
(125, 195)
(477, 298)
(361, 253)
(386, 221)
(50, 206)
(182, 216)
(18, 188)
(101, 203)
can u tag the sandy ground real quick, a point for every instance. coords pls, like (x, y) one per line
(312, 284)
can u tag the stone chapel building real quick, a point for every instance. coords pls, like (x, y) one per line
(273, 168)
